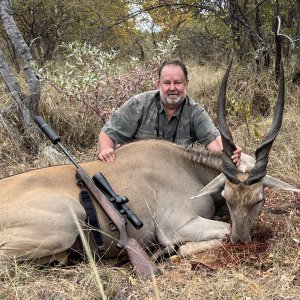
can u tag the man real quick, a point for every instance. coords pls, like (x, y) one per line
(167, 113)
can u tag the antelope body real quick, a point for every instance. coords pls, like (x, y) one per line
(37, 208)
(157, 177)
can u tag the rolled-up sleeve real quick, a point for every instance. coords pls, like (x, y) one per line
(122, 125)
(205, 130)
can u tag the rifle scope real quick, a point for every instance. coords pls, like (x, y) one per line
(117, 201)
(99, 179)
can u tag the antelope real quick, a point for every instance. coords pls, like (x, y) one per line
(161, 179)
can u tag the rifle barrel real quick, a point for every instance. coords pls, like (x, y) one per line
(142, 264)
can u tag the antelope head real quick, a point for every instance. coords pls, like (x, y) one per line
(244, 185)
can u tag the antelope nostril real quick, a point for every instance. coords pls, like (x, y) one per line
(235, 239)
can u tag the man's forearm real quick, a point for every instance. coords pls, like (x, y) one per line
(105, 141)
(215, 145)
(106, 147)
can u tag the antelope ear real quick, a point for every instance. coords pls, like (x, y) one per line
(213, 186)
(277, 185)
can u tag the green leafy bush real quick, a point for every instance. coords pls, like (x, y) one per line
(97, 81)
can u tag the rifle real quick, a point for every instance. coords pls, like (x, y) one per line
(140, 261)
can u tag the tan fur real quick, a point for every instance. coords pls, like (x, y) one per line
(36, 207)
(243, 203)
(159, 178)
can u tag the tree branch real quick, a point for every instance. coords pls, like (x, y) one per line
(255, 34)
(256, 6)
(28, 104)
(10, 80)
(154, 7)
(24, 54)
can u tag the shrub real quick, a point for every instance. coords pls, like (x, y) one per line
(97, 81)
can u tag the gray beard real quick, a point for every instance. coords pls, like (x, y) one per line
(172, 101)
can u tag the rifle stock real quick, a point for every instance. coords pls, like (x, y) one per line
(106, 206)
(140, 261)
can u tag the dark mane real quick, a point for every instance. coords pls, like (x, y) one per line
(205, 157)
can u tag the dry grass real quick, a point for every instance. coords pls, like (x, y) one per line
(77, 128)
(204, 84)
(248, 125)
(268, 268)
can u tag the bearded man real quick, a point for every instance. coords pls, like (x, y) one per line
(167, 113)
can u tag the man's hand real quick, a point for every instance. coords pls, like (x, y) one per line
(216, 145)
(106, 148)
(236, 157)
(107, 155)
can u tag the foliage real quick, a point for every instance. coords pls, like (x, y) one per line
(267, 268)
(205, 28)
(271, 274)
(96, 80)
(45, 24)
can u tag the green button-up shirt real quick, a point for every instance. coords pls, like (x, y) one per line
(140, 118)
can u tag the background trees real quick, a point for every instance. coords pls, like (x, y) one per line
(203, 27)
(89, 56)
(139, 33)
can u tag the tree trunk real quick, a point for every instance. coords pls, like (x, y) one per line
(27, 103)
(296, 75)
(235, 27)
(298, 30)
(278, 42)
